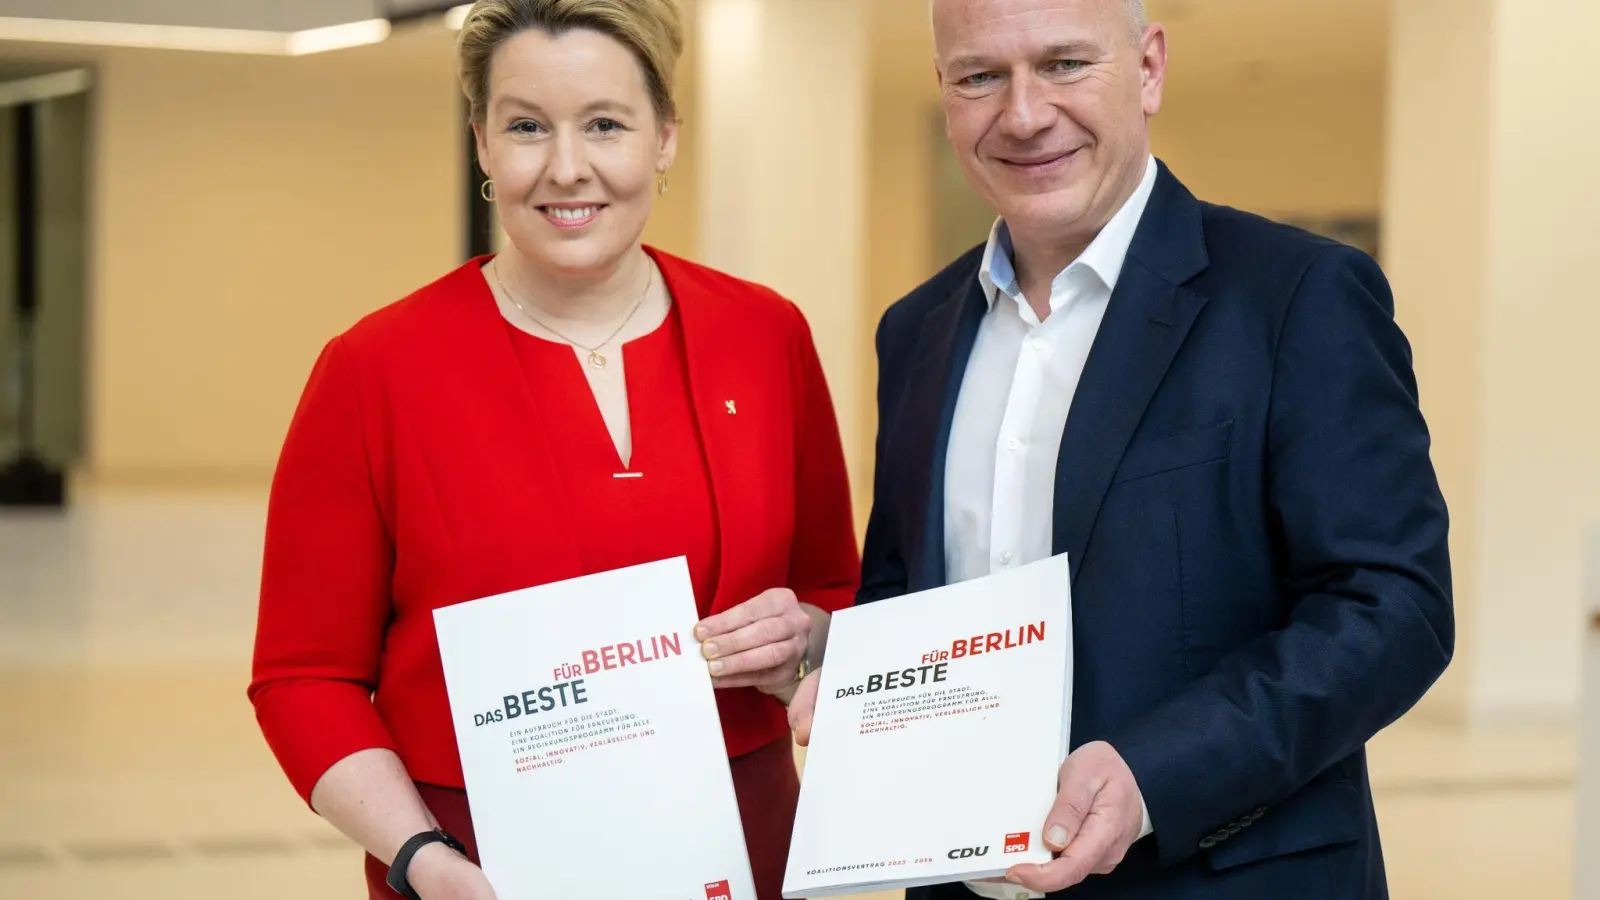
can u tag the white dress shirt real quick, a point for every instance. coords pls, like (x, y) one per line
(1001, 469)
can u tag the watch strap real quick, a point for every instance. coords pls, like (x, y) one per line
(396, 877)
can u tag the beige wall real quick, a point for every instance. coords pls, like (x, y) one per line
(783, 164)
(899, 250)
(1540, 477)
(245, 210)
(1436, 229)
(1487, 202)
(900, 232)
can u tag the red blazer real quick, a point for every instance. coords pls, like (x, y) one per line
(416, 474)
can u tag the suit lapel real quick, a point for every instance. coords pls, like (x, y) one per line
(933, 387)
(1146, 323)
(1131, 355)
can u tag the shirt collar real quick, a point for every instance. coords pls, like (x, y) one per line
(1104, 256)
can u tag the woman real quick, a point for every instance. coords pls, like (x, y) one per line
(575, 404)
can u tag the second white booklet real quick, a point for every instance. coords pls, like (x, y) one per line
(941, 723)
(593, 754)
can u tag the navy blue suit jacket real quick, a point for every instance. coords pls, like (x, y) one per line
(1257, 537)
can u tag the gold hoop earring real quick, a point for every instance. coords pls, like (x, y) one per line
(662, 184)
(487, 190)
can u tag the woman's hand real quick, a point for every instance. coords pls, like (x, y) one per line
(439, 873)
(803, 706)
(758, 643)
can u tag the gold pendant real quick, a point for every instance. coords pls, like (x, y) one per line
(596, 360)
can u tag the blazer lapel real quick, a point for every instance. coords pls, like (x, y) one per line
(714, 367)
(519, 432)
(1146, 322)
(933, 386)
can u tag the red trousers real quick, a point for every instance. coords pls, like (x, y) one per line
(765, 782)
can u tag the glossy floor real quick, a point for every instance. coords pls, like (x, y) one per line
(130, 765)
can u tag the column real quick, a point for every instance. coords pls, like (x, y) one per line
(1489, 241)
(1587, 886)
(782, 94)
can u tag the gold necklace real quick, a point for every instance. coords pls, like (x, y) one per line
(596, 359)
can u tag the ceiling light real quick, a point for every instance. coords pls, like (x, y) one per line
(182, 37)
(125, 34)
(336, 37)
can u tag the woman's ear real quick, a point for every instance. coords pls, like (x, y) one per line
(669, 145)
(480, 138)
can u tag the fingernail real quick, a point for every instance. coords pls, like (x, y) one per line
(1013, 878)
(1056, 835)
(699, 632)
(710, 650)
(716, 667)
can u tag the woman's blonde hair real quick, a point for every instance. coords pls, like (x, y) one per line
(651, 29)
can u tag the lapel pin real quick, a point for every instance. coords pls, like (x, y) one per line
(732, 410)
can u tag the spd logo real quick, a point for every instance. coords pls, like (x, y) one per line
(1017, 843)
(718, 890)
(968, 852)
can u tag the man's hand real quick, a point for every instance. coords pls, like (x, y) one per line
(1097, 816)
(758, 643)
(802, 706)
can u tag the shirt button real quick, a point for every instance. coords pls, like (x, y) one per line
(1038, 344)
(1013, 445)
(1005, 558)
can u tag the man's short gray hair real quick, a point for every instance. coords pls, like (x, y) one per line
(1137, 20)
(1137, 16)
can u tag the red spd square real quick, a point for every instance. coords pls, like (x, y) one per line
(1017, 843)
(718, 890)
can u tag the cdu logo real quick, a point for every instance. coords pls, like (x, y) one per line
(718, 890)
(967, 852)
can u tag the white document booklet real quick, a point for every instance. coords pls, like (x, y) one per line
(941, 722)
(589, 736)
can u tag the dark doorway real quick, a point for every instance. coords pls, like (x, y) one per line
(44, 124)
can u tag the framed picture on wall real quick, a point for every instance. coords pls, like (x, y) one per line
(1359, 231)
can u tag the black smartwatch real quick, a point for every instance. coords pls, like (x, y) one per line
(396, 879)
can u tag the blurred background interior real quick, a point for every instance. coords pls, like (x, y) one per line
(196, 194)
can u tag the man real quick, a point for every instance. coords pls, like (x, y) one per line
(1216, 418)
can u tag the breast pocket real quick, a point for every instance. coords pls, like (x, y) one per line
(1191, 447)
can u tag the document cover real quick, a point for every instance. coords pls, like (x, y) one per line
(594, 759)
(941, 722)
